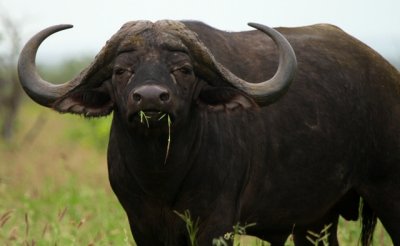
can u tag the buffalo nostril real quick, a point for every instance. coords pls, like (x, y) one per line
(136, 97)
(164, 96)
(150, 94)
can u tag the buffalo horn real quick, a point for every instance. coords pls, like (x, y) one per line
(268, 91)
(38, 89)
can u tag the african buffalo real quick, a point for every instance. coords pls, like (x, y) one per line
(196, 127)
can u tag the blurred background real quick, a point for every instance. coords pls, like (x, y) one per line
(53, 176)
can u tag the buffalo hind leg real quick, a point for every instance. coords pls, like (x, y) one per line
(384, 200)
(347, 207)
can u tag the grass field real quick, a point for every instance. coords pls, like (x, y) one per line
(54, 188)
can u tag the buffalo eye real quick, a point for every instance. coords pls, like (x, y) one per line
(122, 74)
(185, 70)
(119, 71)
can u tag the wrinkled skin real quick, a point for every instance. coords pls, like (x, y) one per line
(290, 166)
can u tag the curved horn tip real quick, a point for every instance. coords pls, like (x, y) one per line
(252, 24)
(56, 28)
(67, 25)
(64, 26)
(258, 26)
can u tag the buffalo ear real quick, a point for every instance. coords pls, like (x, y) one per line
(89, 102)
(225, 99)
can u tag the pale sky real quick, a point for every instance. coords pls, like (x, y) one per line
(376, 23)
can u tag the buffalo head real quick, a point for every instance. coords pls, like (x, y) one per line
(153, 68)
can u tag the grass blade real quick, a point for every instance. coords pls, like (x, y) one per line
(26, 226)
(144, 118)
(169, 139)
(5, 217)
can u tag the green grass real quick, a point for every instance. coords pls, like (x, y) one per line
(66, 215)
(54, 187)
(53, 184)
(192, 226)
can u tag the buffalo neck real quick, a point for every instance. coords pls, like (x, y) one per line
(145, 157)
(198, 158)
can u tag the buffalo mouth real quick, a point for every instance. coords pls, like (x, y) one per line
(151, 118)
